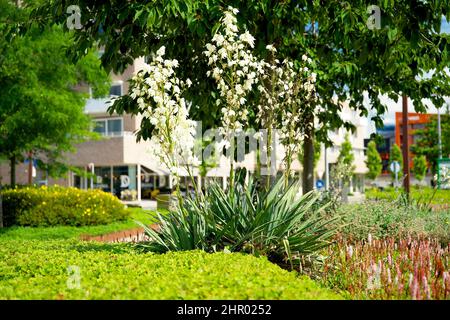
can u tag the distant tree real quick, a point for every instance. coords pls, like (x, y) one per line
(396, 155)
(427, 140)
(373, 161)
(41, 113)
(342, 171)
(346, 157)
(419, 167)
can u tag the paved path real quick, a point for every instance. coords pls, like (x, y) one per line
(130, 235)
(144, 204)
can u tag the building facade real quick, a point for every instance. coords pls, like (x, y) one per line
(328, 156)
(416, 121)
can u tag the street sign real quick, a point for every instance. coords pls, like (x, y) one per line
(319, 184)
(395, 168)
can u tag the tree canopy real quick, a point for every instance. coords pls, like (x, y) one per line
(351, 58)
(40, 110)
(352, 61)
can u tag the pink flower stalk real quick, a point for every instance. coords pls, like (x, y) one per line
(426, 287)
(414, 289)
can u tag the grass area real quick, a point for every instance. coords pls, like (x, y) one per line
(69, 232)
(423, 195)
(33, 269)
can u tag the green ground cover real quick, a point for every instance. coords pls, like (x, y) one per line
(37, 263)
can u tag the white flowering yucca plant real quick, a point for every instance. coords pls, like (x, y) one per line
(158, 93)
(286, 91)
(302, 97)
(234, 69)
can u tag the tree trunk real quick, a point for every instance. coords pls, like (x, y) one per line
(308, 158)
(13, 171)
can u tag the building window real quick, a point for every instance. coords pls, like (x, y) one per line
(116, 89)
(100, 127)
(115, 127)
(109, 127)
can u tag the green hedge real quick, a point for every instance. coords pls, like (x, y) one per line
(51, 206)
(39, 270)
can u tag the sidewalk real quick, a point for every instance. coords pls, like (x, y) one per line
(144, 204)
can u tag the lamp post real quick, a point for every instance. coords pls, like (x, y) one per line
(439, 132)
(327, 173)
(92, 167)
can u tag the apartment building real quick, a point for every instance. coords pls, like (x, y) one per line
(329, 156)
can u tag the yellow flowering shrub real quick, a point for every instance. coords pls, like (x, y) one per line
(50, 206)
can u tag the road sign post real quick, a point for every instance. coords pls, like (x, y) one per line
(395, 168)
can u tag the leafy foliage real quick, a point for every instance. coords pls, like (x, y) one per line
(427, 141)
(52, 206)
(39, 270)
(40, 111)
(373, 161)
(350, 57)
(346, 157)
(245, 219)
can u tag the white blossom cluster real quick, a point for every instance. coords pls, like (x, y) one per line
(285, 95)
(157, 91)
(235, 70)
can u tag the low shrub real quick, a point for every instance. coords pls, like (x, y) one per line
(74, 270)
(51, 206)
